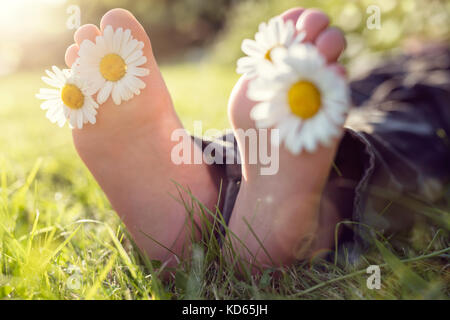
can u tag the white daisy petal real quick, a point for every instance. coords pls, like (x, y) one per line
(90, 118)
(101, 45)
(128, 92)
(66, 111)
(251, 47)
(299, 37)
(279, 54)
(287, 33)
(115, 94)
(335, 111)
(52, 112)
(89, 90)
(49, 91)
(262, 89)
(49, 103)
(108, 34)
(51, 82)
(259, 37)
(293, 132)
(270, 33)
(308, 138)
(277, 29)
(44, 96)
(262, 27)
(260, 111)
(324, 133)
(61, 122)
(285, 126)
(59, 74)
(59, 118)
(131, 89)
(86, 47)
(244, 64)
(91, 102)
(80, 119)
(73, 119)
(50, 74)
(140, 45)
(104, 92)
(129, 48)
(68, 72)
(137, 83)
(117, 40)
(134, 56)
(298, 144)
(125, 38)
(96, 82)
(139, 72)
(269, 122)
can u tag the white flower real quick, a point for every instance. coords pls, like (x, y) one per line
(276, 33)
(71, 100)
(111, 65)
(302, 97)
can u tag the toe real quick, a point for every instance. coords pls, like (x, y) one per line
(239, 105)
(313, 22)
(71, 54)
(121, 18)
(331, 43)
(292, 14)
(86, 32)
(339, 69)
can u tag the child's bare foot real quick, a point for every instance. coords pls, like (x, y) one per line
(128, 152)
(283, 209)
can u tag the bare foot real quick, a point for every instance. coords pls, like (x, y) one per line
(283, 210)
(128, 152)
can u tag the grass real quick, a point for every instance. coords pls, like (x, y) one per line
(60, 239)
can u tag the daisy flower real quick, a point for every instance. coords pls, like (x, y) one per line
(302, 97)
(111, 65)
(69, 99)
(276, 33)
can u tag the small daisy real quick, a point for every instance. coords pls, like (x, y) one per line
(301, 97)
(276, 33)
(71, 100)
(112, 65)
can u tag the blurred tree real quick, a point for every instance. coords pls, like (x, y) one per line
(401, 21)
(176, 26)
(173, 25)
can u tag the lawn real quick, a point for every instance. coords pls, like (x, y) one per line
(60, 239)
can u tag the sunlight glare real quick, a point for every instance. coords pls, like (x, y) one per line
(17, 15)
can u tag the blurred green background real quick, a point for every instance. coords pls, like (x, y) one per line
(193, 30)
(196, 43)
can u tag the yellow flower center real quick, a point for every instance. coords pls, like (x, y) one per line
(112, 67)
(72, 96)
(267, 55)
(304, 99)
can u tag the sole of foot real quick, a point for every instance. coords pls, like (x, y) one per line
(128, 151)
(281, 218)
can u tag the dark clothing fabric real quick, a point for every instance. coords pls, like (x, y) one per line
(396, 144)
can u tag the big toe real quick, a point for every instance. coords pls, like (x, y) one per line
(138, 86)
(121, 18)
